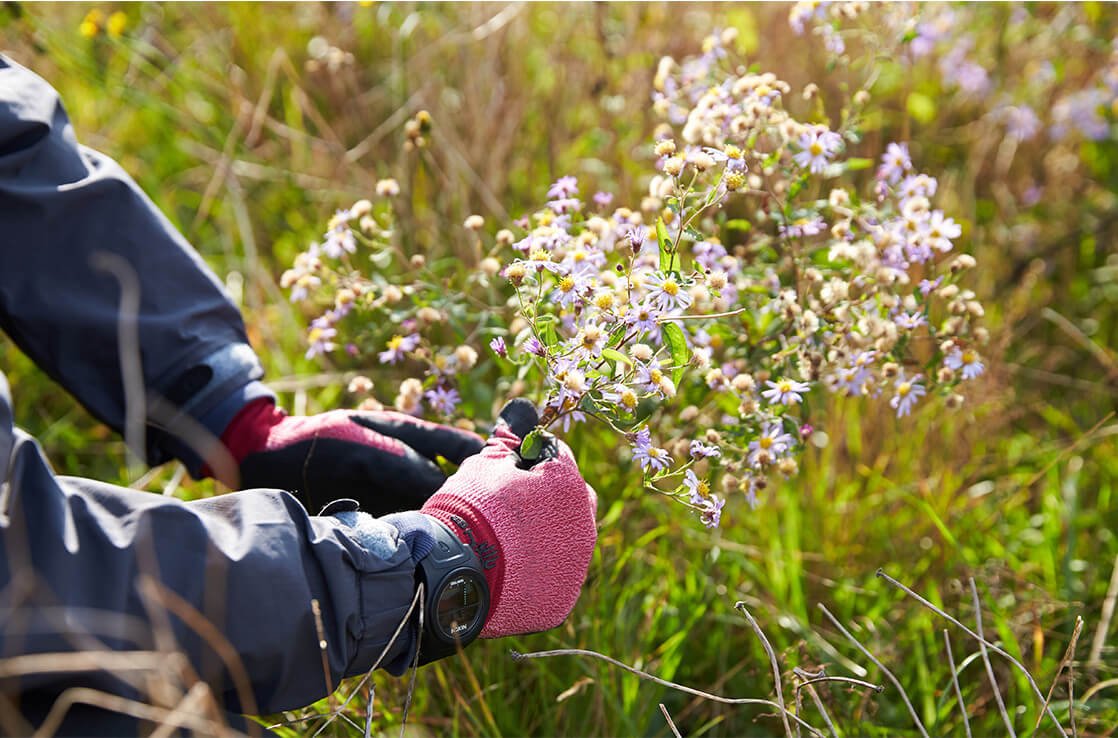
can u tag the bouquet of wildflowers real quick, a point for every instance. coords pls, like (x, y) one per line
(767, 264)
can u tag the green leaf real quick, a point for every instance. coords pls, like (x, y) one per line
(614, 355)
(532, 445)
(667, 256)
(739, 224)
(677, 345)
(545, 326)
(855, 163)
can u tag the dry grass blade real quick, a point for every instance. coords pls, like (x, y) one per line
(1069, 654)
(1063, 454)
(517, 656)
(955, 681)
(865, 652)
(322, 646)
(668, 717)
(972, 634)
(777, 680)
(114, 703)
(986, 660)
(1094, 660)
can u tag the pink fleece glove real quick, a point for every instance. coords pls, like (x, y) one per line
(533, 530)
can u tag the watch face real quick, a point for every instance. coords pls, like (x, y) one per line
(461, 606)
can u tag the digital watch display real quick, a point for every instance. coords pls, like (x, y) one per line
(457, 596)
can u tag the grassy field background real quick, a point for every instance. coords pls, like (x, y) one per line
(248, 138)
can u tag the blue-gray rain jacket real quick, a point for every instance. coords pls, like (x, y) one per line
(90, 567)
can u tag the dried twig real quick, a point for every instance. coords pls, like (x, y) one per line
(986, 660)
(972, 634)
(675, 730)
(878, 664)
(1069, 654)
(322, 646)
(740, 607)
(517, 656)
(955, 681)
(814, 697)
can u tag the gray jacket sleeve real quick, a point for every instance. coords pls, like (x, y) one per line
(228, 581)
(71, 216)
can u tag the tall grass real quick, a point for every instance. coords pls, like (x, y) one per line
(220, 117)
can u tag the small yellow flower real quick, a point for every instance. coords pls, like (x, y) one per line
(118, 21)
(91, 24)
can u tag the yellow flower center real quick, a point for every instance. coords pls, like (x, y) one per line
(579, 255)
(765, 442)
(629, 399)
(784, 386)
(314, 335)
(540, 255)
(671, 287)
(733, 152)
(969, 357)
(603, 301)
(815, 148)
(394, 342)
(703, 488)
(655, 375)
(566, 284)
(545, 217)
(904, 388)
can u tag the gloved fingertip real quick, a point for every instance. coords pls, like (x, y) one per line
(502, 432)
(593, 497)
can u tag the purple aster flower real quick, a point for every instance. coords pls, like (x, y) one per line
(398, 347)
(941, 230)
(351, 349)
(773, 441)
(967, 360)
(927, 286)
(711, 514)
(917, 185)
(666, 292)
(907, 392)
(603, 199)
(569, 289)
(700, 450)
(319, 340)
(339, 240)
(642, 316)
(784, 391)
(534, 347)
(894, 163)
(498, 346)
(651, 456)
(699, 488)
(565, 187)
(565, 205)
(910, 321)
(817, 147)
(1021, 122)
(802, 227)
(443, 400)
(806, 430)
(649, 376)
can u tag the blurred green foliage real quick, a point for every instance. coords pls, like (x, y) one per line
(248, 141)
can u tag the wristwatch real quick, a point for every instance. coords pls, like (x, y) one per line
(456, 599)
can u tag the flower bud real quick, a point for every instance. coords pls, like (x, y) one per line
(360, 385)
(861, 97)
(890, 370)
(466, 356)
(787, 466)
(515, 273)
(688, 413)
(743, 383)
(673, 166)
(713, 436)
(667, 387)
(429, 315)
(640, 351)
(665, 147)
(474, 222)
(393, 294)
(490, 266)
(961, 262)
(371, 404)
(417, 261)
(388, 188)
(953, 401)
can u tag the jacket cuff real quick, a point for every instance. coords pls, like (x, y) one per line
(200, 402)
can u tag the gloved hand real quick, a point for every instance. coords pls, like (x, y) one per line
(533, 530)
(384, 460)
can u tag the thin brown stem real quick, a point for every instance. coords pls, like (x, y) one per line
(517, 656)
(740, 607)
(878, 664)
(955, 681)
